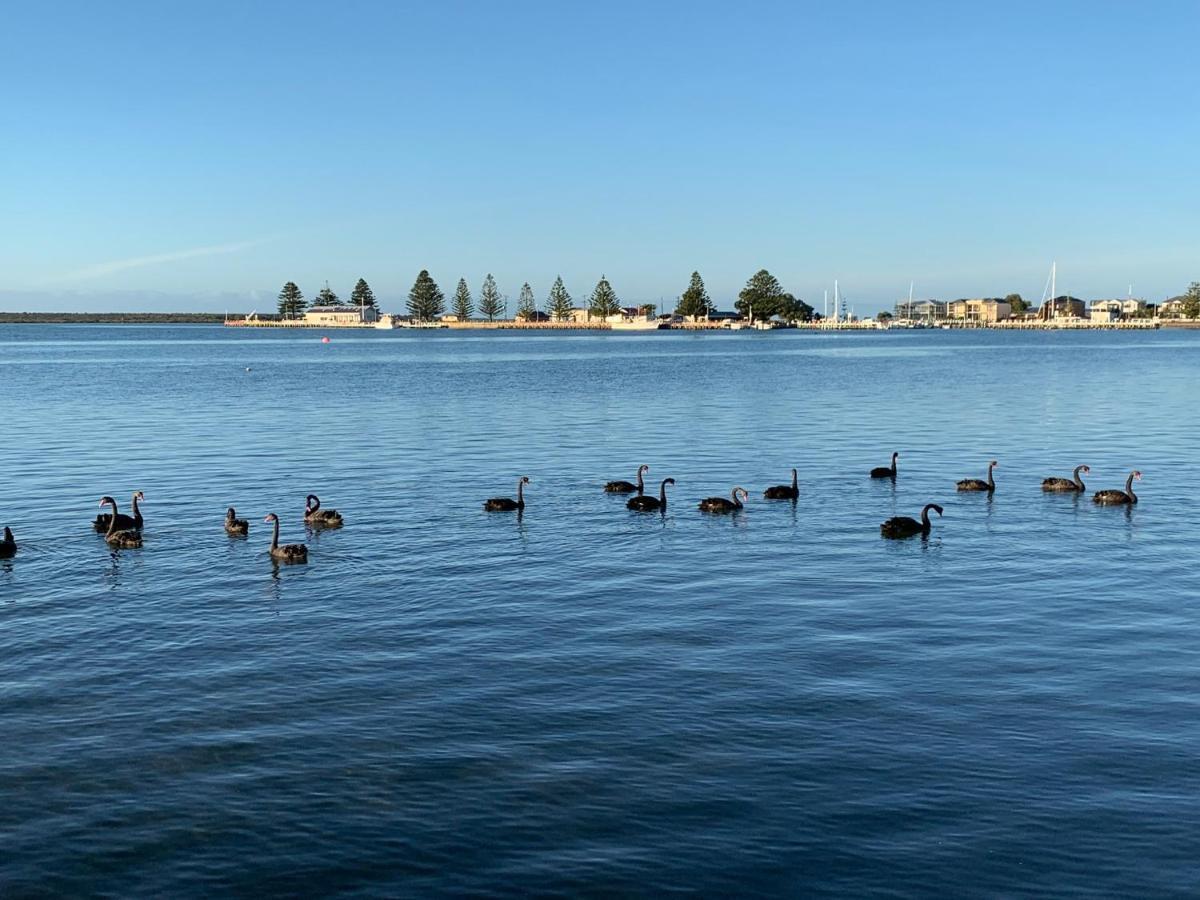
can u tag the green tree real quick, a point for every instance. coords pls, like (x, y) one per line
(694, 301)
(463, 305)
(1191, 301)
(1017, 302)
(559, 304)
(764, 297)
(425, 301)
(326, 297)
(526, 304)
(291, 301)
(362, 295)
(490, 301)
(884, 316)
(603, 302)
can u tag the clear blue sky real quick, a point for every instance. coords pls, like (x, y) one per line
(157, 156)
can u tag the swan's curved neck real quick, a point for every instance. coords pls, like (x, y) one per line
(313, 503)
(926, 525)
(112, 522)
(275, 534)
(662, 493)
(1129, 488)
(1079, 485)
(737, 501)
(134, 501)
(521, 491)
(991, 481)
(795, 481)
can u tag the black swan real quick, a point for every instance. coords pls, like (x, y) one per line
(975, 484)
(115, 536)
(289, 553)
(721, 505)
(507, 504)
(124, 522)
(234, 525)
(624, 487)
(324, 518)
(783, 491)
(904, 527)
(1066, 485)
(885, 472)
(8, 546)
(650, 504)
(1118, 498)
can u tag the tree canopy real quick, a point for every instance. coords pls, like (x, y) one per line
(1191, 301)
(291, 301)
(1017, 302)
(694, 301)
(764, 297)
(362, 295)
(463, 305)
(603, 302)
(326, 297)
(526, 304)
(491, 304)
(559, 303)
(425, 301)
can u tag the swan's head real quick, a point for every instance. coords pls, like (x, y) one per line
(8, 535)
(1085, 468)
(668, 481)
(937, 509)
(230, 513)
(271, 517)
(895, 456)
(107, 501)
(643, 469)
(741, 492)
(312, 501)
(993, 464)
(141, 497)
(1137, 476)
(524, 479)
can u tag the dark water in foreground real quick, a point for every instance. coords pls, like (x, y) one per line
(587, 699)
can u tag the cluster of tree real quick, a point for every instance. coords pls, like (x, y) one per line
(764, 297)
(1191, 301)
(425, 300)
(292, 303)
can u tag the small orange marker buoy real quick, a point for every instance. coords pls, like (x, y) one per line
(324, 340)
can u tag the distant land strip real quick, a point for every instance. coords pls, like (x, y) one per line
(89, 318)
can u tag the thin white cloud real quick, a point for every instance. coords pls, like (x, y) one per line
(99, 270)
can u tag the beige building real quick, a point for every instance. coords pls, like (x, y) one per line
(985, 311)
(341, 315)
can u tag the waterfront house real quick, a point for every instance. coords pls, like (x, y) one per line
(921, 310)
(352, 316)
(984, 311)
(1062, 308)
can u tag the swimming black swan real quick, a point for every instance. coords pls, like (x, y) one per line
(1066, 485)
(234, 525)
(974, 484)
(507, 504)
(324, 518)
(124, 522)
(8, 546)
(624, 487)
(783, 491)
(649, 504)
(289, 553)
(721, 505)
(904, 527)
(882, 472)
(1117, 498)
(115, 536)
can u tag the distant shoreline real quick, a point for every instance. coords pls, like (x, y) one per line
(148, 318)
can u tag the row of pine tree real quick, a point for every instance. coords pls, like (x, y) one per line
(763, 297)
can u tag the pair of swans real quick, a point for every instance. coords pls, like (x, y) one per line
(1075, 485)
(288, 553)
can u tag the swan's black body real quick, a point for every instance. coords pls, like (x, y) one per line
(784, 491)
(1072, 485)
(124, 522)
(8, 546)
(721, 505)
(288, 553)
(234, 525)
(904, 527)
(1119, 498)
(886, 472)
(625, 487)
(321, 518)
(507, 504)
(115, 536)
(976, 484)
(643, 503)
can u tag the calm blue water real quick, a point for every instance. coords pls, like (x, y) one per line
(586, 699)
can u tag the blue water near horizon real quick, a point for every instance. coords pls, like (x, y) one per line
(585, 699)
